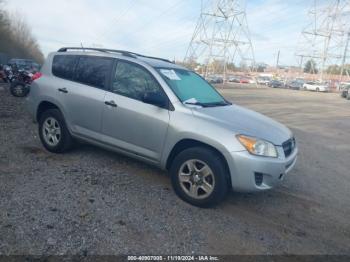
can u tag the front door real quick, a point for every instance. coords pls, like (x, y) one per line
(129, 123)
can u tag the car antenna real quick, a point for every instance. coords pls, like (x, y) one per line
(82, 46)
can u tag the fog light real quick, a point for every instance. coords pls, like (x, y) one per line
(259, 177)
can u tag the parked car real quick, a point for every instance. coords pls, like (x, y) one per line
(244, 80)
(345, 92)
(295, 84)
(252, 80)
(263, 80)
(275, 84)
(315, 86)
(161, 113)
(215, 80)
(24, 64)
(234, 79)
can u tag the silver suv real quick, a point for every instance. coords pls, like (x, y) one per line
(156, 111)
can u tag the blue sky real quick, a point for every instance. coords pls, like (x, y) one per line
(159, 28)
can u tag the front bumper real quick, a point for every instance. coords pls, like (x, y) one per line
(251, 173)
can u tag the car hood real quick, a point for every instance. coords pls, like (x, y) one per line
(247, 122)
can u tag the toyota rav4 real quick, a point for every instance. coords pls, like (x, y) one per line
(156, 111)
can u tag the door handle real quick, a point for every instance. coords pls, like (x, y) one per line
(63, 90)
(111, 103)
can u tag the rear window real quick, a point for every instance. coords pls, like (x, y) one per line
(63, 66)
(93, 71)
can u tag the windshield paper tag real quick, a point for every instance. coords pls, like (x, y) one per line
(171, 74)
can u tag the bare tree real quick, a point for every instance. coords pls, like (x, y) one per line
(16, 38)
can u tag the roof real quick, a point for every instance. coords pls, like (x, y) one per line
(151, 61)
(159, 63)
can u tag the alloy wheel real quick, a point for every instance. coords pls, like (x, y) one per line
(196, 179)
(51, 131)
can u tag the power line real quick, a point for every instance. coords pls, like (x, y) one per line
(221, 34)
(173, 34)
(324, 38)
(163, 13)
(115, 20)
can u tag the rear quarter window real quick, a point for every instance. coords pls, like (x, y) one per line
(63, 66)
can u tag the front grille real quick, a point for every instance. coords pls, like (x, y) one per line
(288, 147)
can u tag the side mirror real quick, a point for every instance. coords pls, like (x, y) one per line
(155, 98)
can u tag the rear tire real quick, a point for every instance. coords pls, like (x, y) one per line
(18, 89)
(53, 132)
(199, 177)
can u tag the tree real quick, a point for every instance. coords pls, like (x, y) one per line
(217, 65)
(311, 67)
(333, 69)
(16, 39)
(191, 63)
(231, 67)
(261, 68)
(336, 69)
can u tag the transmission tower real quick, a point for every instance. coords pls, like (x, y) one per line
(325, 39)
(221, 37)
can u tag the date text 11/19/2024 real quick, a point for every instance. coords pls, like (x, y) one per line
(173, 258)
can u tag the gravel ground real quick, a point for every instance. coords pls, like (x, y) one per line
(92, 201)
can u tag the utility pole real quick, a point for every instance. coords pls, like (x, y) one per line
(278, 59)
(277, 62)
(221, 37)
(301, 63)
(344, 57)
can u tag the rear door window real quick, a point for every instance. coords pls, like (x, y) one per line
(94, 71)
(63, 66)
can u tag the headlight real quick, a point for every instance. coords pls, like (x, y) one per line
(257, 146)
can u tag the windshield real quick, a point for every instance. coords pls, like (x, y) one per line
(190, 88)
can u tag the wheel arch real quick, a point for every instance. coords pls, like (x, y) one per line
(190, 143)
(44, 106)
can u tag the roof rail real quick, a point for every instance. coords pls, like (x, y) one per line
(124, 53)
(152, 57)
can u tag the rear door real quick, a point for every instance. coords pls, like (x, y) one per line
(83, 95)
(129, 123)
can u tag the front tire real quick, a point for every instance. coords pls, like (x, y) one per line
(53, 132)
(199, 177)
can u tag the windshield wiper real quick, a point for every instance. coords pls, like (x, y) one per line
(195, 104)
(213, 104)
(221, 103)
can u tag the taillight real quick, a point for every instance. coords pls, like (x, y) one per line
(36, 76)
